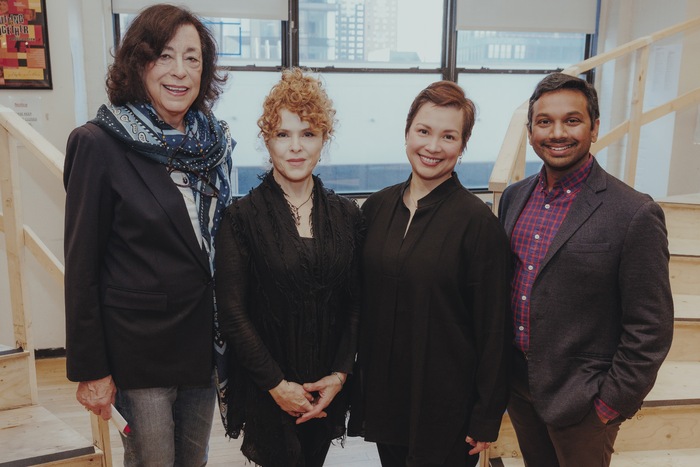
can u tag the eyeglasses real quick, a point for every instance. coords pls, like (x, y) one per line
(205, 186)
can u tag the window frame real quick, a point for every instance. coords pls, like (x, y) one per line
(448, 69)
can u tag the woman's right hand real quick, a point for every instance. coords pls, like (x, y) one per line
(292, 398)
(97, 396)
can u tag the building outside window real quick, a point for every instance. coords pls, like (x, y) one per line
(375, 56)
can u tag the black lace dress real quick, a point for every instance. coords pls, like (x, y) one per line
(289, 308)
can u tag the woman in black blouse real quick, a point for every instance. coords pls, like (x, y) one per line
(434, 327)
(287, 288)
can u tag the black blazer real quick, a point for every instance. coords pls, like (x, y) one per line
(138, 286)
(601, 305)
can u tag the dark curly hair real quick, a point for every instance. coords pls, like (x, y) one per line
(143, 43)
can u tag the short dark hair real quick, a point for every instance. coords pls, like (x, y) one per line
(445, 94)
(143, 43)
(559, 81)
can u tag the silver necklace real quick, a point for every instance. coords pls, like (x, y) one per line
(295, 209)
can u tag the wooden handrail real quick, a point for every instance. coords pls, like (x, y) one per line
(13, 132)
(31, 139)
(14, 246)
(19, 131)
(503, 168)
(510, 162)
(632, 46)
(617, 133)
(43, 255)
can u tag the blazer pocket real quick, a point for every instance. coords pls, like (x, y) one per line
(135, 300)
(587, 247)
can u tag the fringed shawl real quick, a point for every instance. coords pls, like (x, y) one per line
(302, 301)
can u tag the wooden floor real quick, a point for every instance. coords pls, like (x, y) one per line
(57, 394)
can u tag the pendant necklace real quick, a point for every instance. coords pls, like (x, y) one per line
(295, 209)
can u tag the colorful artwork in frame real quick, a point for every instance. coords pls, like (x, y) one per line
(24, 45)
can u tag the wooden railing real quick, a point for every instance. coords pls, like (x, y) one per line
(18, 237)
(510, 163)
(14, 133)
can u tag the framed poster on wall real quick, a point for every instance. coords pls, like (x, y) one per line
(24, 45)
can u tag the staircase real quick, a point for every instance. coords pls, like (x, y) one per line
(666, 431)
(29, 434)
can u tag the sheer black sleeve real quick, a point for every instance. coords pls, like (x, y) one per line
(232, 288)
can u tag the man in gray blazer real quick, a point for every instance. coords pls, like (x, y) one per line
(592, 305)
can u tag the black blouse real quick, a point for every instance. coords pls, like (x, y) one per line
(289, 307)
(435, 325)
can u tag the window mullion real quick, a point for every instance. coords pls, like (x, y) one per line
(290, 36)
(449, 41)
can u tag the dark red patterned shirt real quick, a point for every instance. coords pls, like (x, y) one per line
(534, 231)
(537, 225)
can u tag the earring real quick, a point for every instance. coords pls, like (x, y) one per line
(459, 161)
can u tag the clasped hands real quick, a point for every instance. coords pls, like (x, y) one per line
(299, 402)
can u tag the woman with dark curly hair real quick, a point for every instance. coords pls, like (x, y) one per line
(287, 290)
(146, 183)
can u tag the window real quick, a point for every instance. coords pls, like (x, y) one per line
(374, 57)
(248, 42)
(492, 50)
(393, 34)
(240, 42)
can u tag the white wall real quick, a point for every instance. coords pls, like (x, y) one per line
(684, 175)
(79, 44)
(80, 38)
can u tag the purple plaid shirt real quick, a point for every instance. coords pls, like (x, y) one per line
(534, 231)
(537, 225)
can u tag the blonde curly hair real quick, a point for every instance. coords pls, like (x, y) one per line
(301, 94)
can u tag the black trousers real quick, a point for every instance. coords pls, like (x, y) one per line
(397, 456)
(314, 443)
(588, 443)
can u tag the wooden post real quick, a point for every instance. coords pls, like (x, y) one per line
(635, 128)
(484, 458)
(510, 163)
(520, 161)
(100, 438)
(14, 242)
(496, 201)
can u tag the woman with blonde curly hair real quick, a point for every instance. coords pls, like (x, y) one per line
(287, 288)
